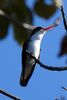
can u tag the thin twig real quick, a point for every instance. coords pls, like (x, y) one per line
(52, 68)
(59, 4)
(64, 19)
(64, 88)
(9, 95)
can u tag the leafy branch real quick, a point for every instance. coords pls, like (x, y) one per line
(26, 25)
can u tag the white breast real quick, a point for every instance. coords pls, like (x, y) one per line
(34, 45)
(34, 48)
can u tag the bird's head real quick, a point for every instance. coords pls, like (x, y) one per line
(37, 30)
(41, 30)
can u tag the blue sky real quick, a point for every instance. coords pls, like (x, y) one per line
(44, 84)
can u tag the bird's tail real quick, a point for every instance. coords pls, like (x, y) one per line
(26, 75)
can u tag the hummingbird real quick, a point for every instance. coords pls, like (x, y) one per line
(32, 44)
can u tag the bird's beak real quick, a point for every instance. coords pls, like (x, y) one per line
(50, 27)
(57, 22)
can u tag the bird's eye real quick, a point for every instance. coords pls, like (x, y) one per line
(41, 30)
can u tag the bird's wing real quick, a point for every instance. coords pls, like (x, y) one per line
(28, 65)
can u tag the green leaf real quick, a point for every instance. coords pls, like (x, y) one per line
(44, 10)
(3, 27)
(23, 15)
(63, 46)
(18, 10)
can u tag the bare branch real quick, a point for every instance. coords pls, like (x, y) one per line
(64, 19)
(9, 95)
(52, 68)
